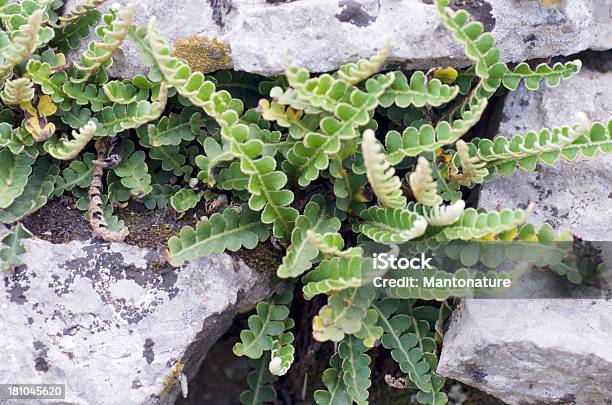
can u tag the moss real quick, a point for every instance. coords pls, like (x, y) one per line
(203, 54)
(171, 379)
(263, 258)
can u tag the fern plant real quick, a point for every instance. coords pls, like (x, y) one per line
(309, 168)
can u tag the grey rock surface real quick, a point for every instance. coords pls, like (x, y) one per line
(532, 351)
(111, 323)
(544, 351)
(321, 35)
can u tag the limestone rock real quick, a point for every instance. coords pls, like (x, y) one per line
(544, 351)
(532, 351)
(321, 35)
(113, 324)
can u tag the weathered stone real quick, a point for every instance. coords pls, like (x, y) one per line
(544, 351)
(321, 35)
(112, 323)
(532, 351)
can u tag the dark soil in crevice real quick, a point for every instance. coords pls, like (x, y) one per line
(58, 223)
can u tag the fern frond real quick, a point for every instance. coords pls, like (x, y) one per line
(355, 369)
(473, 170)
(70, 36)
(400, 337)
(282, 353)
(98, 54)
(185, 199)
(223, 231)
(391, 225)
(77, 13)
(119, 117)
(64, 149)
(17, 91)
(313, 154)
(16, 140)
(12, 247)
(14, 172)
(478, 45)
(172, 129)
(23, 44)
(333, 275)
(545, 146)
(50, 83)
(301, 254)
(532, 78)
(266, 184)
(260, 382)
(35, 194)
(311, 94)
(439, 215)
(336, 393)
(331, 244)
(413, 141)
(342, 315)
(214, 155)
(120, 92)
(264, 327)
(419, 92)
(353, 73)
(475, 224)
(424, 187)
(386, 186)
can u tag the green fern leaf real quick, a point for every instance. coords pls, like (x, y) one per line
(50, 83)
(313, 154)
(478, 46)
(172, 129)
(185, 199)
(419, 92)
(333, 275)
(214, 155)
(70, 36)
(35, 194)
(13, 247)
(545, 146)
(343, 315)
(282, 351)
(391, 225)
(532, 78)
(474, 224)
(14, 172)
(64, 149)
(227, 231)
(263, 327)
(355, 369)
(118, 117)
(133, 170)
(301, 254)
(413, 141)
(260, 381)
(386, 186)
(98, 54)
(336, 393)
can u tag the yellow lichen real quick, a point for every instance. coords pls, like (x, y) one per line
(171, 379)
(203, 54)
